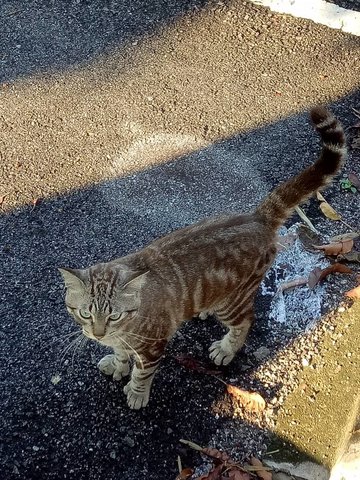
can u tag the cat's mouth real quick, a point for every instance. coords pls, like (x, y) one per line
(108, 340)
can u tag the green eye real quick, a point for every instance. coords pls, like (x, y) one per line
(85, 314)
(114, 316)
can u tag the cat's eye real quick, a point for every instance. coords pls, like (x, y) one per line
(85, 314)
(114, 316)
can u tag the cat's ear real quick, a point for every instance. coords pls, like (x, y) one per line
(73, 279)
(134, 285)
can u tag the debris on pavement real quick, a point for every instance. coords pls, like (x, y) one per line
(224, 467)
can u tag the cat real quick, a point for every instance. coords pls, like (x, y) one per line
(134, 304)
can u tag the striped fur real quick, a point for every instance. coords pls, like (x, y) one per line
(279, 205)
(134, 304)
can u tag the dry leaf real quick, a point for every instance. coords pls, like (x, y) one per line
(263, 474)
(336, 248)
(216, 454)
(305, 219)
(2, 199)
(354, 179)
(297, 282)
(327, 209)
(185, 474)
(251, 401)
(329, 212)
(319, 274)
(344, 236)
(320, 197)
(354, 293)
(308, 237)
(189, 362)
(350, 257)
(236, 474)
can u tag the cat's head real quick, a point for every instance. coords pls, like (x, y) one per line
(103, 299)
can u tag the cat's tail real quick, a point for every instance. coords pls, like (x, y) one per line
(279, 205)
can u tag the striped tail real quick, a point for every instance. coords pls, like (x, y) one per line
(280, 203)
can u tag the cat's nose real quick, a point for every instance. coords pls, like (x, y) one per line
(98, 337)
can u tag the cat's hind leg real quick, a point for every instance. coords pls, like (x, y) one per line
(238, 318)
(115, 364)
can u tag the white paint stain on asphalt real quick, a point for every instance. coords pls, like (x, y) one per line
(319, 11)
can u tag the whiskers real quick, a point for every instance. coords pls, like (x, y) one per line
(117, 336)
(76, 345)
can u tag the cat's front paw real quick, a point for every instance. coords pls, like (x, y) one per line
(218, 355)
(136, 400)
(110, 365)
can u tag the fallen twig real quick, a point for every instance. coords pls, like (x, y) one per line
(305, 219)
(297, 282)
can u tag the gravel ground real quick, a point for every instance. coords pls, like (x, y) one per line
(81, 427)
(70, 139)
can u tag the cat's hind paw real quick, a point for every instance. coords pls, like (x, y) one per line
(218, 355)
(110, 365)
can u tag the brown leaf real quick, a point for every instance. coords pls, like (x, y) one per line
(192, 364)
(263, 474)
(317, 274)
(329, 212)
(314, 277)
(236, 474)
(2, 199)
(327, 209)
(251, 401)
(336, 248)
(354, 180)
(320, 197)
(308, 237)
(185, 474)
(344, 237)
(297, 282)
(216, 454)
(354, 293)
(350, 257)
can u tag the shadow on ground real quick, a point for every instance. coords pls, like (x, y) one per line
(38, 37)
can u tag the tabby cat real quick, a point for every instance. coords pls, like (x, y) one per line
(134, 304)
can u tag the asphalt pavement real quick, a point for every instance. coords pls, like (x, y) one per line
(121, 121)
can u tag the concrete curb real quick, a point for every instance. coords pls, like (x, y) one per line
(319, 11)
(318, 419)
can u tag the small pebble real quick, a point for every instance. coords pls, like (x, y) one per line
(129, 441)
(304, 362)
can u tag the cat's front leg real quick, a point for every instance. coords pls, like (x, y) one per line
(138, 389)
(115, 364)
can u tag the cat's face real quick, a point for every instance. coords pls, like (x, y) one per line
(103, 300)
